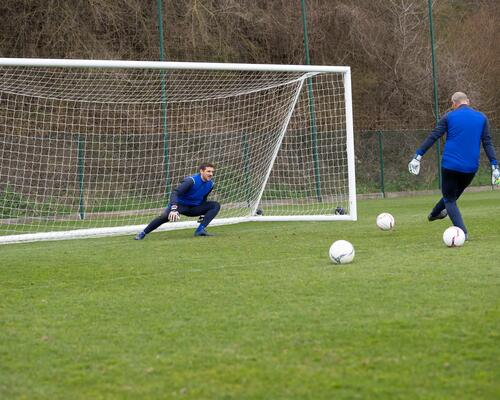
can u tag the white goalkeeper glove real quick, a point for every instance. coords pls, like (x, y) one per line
(414, 165)
(173, 215)
(495, 175)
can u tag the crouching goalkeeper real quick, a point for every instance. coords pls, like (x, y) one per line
(190, 199)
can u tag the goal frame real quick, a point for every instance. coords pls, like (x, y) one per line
(165, 65)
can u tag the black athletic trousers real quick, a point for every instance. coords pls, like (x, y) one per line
(453, 185)
(209, 209)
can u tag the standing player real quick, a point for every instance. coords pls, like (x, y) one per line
(190, 199)
(465, 130)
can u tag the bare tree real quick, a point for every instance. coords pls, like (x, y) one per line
(386, 42)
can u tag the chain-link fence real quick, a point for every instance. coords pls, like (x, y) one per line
(382, 162)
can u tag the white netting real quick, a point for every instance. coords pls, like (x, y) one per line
(88, 148)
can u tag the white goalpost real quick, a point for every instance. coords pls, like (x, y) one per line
(94, 148)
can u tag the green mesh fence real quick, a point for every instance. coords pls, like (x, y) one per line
(382, 158)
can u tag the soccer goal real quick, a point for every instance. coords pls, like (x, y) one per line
(90, 148)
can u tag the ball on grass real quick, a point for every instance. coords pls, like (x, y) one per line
(385, 221)
(454, 237)
(339, 211)
(341, 252)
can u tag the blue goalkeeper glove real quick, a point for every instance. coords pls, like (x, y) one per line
(495, 175)
(414, 164)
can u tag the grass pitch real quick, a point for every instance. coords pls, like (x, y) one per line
(259, 311)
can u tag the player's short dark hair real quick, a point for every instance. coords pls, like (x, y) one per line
(205, 165)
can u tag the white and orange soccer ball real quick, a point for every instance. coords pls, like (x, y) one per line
(385, 221)
(454, 237)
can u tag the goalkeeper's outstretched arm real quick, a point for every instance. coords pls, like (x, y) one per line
(179, 191)
(490, 153)
(440, 129)
(437, 132)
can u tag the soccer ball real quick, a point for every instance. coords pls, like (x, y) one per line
(454, 237)
(385, 221)
(339, 211)
(341, 252)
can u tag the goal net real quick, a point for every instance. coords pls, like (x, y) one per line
(92, 148)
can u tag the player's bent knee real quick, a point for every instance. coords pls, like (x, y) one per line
(215, 207)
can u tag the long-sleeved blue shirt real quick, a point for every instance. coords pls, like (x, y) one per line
(466, 128)
(192, 191)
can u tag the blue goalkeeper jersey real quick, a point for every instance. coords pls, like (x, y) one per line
(192, 191)
(465, 130)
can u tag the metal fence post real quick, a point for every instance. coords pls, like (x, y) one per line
(312, 116)
(163, 73)
(381, 160)
(81, 171)
(434, 80)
